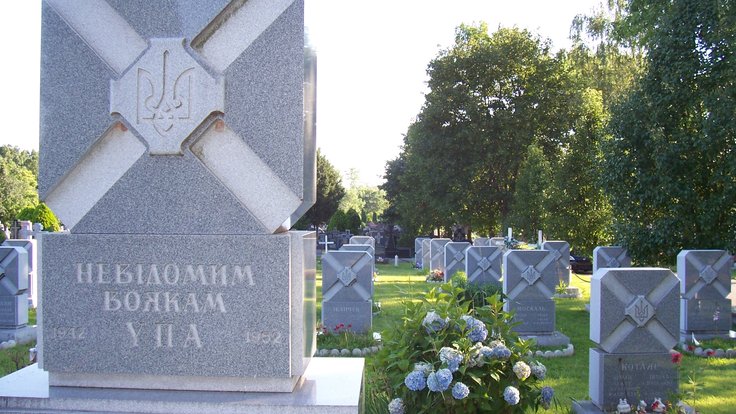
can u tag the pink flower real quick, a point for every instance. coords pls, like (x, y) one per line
(676, 358)
(710, 352)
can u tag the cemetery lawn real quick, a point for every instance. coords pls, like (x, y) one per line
(715, 379)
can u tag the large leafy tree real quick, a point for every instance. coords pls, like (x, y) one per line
(329, 193)
(18, 177)
(490, 96)
(670, 165)
(529, 209)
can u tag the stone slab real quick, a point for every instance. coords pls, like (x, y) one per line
(634, 309)
(454, 258)
(556, 339)
(437, 253)
(418, 251)
(529, 274)
(363, 240)
(585, 407)
(481, 241)
(497, 242)
(426, 257)
(562, 265)
(330, 386)
(234, 114)
(22, 335)
(125, 310)
(359, 248)
(347, 276)
(610, 256)
(705, 317)
(483, 265)
(537, 316)
(357, 315)
(704, 274)
(631, 376)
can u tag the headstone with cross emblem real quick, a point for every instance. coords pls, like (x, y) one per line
(347, 285)
(481, 241)
(561, 250)
(455, 258)
(26, 230)
(418, 256)
(529, 281)
(437, 253)
(29, 246)
(158, 120)
(610, 257)
(634, 319)
(13, 294)
(426, 256)
(705, 283)
(483, 265)
(363, 240)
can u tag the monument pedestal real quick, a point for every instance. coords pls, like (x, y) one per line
(555, 338)
(330, 386)
(22, 335)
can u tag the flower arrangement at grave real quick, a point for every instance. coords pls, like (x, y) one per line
(436, 276)
(445, 358)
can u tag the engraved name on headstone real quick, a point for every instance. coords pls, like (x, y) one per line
(347, 285)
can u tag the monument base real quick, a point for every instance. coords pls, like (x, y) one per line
(688, 336)
(631, 376)
(331, 385)
(22, 335)
(555, 338)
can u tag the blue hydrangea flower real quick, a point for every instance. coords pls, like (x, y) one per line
(487, 352)
(511, 395)
(522, 370)
(539, 371)
(415, 381)
(423, 367)
(433, 322)
(396, 406)
(547, 394)
(501, 352)
(460, 391)
(477, 330)
(451, 357)
(439, 381)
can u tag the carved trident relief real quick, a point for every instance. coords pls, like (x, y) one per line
(531, 271)
(347, 275)
(170, 98)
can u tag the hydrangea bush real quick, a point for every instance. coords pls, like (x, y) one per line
(443, 357)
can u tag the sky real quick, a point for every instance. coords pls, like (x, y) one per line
(371, 66)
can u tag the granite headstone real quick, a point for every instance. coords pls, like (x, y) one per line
(481, 241)
(454, 258)
(347, 285)
(13, 292)
(437, 253)
(705, 283)
(418, 256)
(561, 250)
(483, 265)
(610, 257)
(426, 257)
(363, 240)
(30, 247)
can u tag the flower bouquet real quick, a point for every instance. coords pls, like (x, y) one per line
(436, 276)
(444, 358)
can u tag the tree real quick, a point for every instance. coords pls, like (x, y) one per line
(40, 214)
(329, 193)
(670, 164)
(490, 97)
(529, 207)
(18, 178)
(579, 211)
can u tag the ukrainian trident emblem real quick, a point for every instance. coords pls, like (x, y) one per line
(165, 95)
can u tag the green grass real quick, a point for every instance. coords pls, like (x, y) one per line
(716, 378)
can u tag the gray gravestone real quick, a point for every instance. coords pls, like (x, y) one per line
(13, 293)
(610, 257)
(359, 248)
(483, 265)
(437, 254)
(497, 242)
(363, 240)
(347, 285)
(634, 322)
(158, 119)
(454, 258)
(26, 230)
(30, 247)
(481, 241)
(529, 281)
(418, 257)
(561, 250)
(705, 283)
(426, 257)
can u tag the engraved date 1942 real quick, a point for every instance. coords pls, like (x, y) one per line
(74, 333)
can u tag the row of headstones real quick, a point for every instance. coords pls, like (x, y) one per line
(481, 261)
(347, 285)
(18, 283)
(638, 314)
